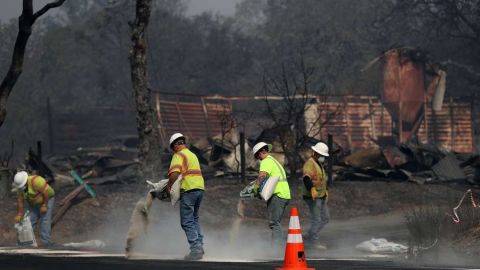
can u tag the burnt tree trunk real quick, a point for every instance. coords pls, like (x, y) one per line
(25, 23)
(148, 149)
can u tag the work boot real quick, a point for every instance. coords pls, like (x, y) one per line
(194, 256)
(319, 247)
(311, 244)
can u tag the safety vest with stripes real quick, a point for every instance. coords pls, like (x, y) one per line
(317, 174)
(36, 186)
(272, 167)
(186, 163)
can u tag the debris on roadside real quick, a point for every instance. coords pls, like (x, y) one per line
(419, 163)
(381, 246)
(68, 200)
(90, 244)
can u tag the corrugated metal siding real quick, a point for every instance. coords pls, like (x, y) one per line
(354, 122)
(454, 127)
(351, 122)
(190, 118)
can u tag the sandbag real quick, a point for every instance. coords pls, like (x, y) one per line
(267, 187)
(161, 193)
(24, 231)
(382, 246)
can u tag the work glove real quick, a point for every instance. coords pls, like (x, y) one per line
(314, 193)
(255, 188)
(43, 209)
(256, 191)
(18, 218)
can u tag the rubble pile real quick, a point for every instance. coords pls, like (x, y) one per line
(420, 163)
(219, 155)
(98, 166)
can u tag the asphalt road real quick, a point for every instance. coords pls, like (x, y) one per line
(29, 262)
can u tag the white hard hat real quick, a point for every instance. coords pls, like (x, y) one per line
(259, 146)
(19, 180)
(175, 137)
(321, 148)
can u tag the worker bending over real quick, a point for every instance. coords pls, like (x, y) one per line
(40, 198)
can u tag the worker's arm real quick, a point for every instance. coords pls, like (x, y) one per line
(19, 216)
(261, 176)
(172, 177)
(45, 195)
(19, 204)
(265, 170)
(307, 182)
(41, 186)
(176, 168)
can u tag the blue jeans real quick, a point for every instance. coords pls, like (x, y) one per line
(276, 207)
(45, 220)
(189, 208)
(319, 217)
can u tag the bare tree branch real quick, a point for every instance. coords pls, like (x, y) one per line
(46, 8)
(25, 23)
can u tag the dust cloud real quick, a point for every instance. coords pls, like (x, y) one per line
(159, 235)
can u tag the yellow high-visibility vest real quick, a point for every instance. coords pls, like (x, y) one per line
(36, 186)
(273, 168)
(186, 163)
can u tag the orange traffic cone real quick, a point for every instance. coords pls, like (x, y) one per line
(295, 251)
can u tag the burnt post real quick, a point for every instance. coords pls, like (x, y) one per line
(39, 149)
(50, 126)
(242, 156)
(330, 161)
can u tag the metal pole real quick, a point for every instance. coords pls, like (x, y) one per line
(330, 161)
(242, 156)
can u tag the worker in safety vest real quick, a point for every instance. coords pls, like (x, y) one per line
(40, 198)
(315, 193)
(276, 205)
(186, 163)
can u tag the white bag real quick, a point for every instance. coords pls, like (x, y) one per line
(267, 187)
(382, 246)
(162, 184)
(24, 231)
(159, 186)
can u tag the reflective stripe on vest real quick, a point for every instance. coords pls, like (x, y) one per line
(192, 174)
(185, 170)
(280, 168)
(32, 185)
